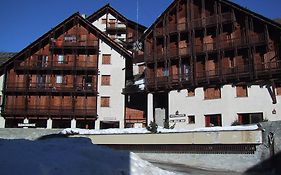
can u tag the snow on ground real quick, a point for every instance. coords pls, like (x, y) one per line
(69, 156)
(160, 130)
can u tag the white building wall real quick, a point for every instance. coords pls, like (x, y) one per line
(98, 24)
(117, 82)
(2, 120)
(258, 100)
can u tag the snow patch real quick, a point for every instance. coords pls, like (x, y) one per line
(160, 130)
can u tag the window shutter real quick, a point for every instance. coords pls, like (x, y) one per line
(219, 120)
(207, 121)
(240, 118)
(106, 58)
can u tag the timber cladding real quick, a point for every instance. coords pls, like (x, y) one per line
(58, 79)
(220, 42)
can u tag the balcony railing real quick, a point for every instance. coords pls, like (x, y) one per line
(48, 87)
(166, 81)
(59, 43)
(60, 65)
(116, 26)
(49, 110)
(211, 20)
(245, 72)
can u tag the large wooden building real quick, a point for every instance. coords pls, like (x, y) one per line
(202, 56)
(201, 63)
(55, 82)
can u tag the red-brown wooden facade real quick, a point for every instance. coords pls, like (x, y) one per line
(209, 42)
(56, 76)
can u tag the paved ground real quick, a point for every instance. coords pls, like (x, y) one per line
(186, 170)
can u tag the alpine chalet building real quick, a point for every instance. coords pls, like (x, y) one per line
(210, 63)
(55, 81)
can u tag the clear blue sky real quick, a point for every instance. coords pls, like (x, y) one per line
(23, 21)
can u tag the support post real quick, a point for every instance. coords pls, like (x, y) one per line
(150, 117)
(49, 123)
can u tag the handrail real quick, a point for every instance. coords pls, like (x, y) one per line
(50, 87)
(54, 64)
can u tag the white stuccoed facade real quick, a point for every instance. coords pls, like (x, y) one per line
(115, 111)
(258, 101)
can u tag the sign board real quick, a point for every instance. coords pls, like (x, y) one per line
(177, 116)
(26, 125)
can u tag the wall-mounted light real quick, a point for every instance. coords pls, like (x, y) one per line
(274, 111)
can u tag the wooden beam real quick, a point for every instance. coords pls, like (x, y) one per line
(271, 89)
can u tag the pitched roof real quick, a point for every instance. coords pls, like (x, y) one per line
(5, 56)
(226, 2)
(108, 8)
(45, 38)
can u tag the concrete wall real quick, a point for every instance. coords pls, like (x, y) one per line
(117, 82)
(99, 25)
(228, 105)
(221, 137)
(102, 27)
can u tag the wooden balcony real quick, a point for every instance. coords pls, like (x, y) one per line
(75, 43)
(168, 82)
(58, 111)
(48, 88)
(55, 65)
(116, 27)
(211, 20)
(246, 73)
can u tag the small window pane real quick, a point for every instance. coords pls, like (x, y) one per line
(59, 79)
(106, 59)
(105, 101)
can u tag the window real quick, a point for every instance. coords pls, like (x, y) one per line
(60, 59)
(88, 81)
(250, 118)
(59, 79)
(190, 92)
(213, 120)
(191, 119)
(212, 93)
(105, 101)
(165, 72)
(41, 80)
(241, 91)
(106, 58)
(105, 80)
(103, 21)
(70, 39)
(42, 61)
